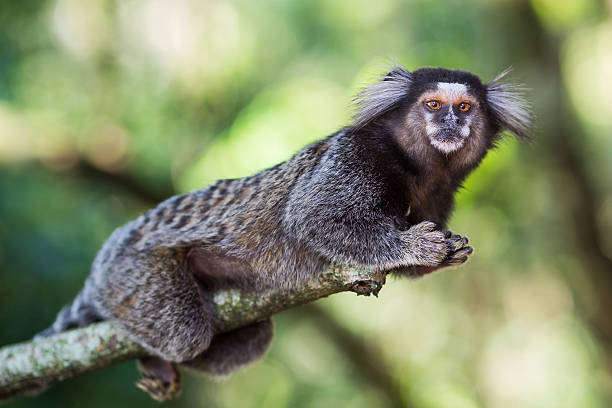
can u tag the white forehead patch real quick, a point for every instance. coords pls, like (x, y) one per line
(453, 89)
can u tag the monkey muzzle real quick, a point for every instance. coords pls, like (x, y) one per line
(447, 139)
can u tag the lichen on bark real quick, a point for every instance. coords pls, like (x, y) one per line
(30, 367)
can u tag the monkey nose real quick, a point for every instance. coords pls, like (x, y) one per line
(450, 119)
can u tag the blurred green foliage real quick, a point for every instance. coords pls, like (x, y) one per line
(109, 106)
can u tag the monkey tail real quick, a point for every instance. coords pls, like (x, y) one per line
(79, 313)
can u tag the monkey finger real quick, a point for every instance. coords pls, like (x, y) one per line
(461, 253)
(457, 237)
(456, 261)
(447, 234)
(465, 251)
(457, 242)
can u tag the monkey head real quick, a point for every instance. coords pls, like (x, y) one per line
(448, 110)
(445, 112)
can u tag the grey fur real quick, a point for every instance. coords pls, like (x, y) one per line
(375, 193)
(508, 102)
(381, 96)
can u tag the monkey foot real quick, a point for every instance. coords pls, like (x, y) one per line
(161, 379)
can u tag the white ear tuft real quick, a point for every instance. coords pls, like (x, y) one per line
(509, 105)
(381, 96)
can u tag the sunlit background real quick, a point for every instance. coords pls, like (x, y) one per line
(107, 107)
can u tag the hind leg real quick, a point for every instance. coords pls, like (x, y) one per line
(235, 349)
(227, 352)
(157, 302)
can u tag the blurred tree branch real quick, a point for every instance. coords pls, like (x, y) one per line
(30, 367)
(366, 357)
(565, 153)
(124, 181)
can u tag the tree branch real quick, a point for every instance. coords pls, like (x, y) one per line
(27, 368)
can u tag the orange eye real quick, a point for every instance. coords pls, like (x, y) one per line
(435, 105)
(464, 107)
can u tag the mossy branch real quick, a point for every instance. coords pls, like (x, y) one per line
(29, 367)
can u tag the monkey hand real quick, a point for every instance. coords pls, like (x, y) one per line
(438, 250)
(426, 245)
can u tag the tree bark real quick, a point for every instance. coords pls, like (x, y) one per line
(30, 367)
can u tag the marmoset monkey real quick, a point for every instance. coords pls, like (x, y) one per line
(376, 193)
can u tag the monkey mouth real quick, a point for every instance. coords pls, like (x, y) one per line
(447, 140)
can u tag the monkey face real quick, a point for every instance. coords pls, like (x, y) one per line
(449, 110)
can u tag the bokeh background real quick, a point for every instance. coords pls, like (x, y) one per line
(108, 107)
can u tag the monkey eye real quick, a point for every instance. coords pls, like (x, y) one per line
(464, 106)
(434, 105)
